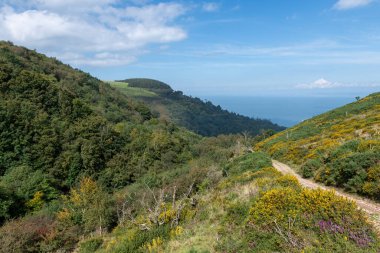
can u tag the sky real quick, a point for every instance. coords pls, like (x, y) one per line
(210, 48)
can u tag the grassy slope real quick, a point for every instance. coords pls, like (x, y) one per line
(340, 147)
(131, 91)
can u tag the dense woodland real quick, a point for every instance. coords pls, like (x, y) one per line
(86, 168)
(192, 113)
(59, 125)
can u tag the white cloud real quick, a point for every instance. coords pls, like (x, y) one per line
(326, 84)
(318, 84)
(37, 25)
(95, 33)
(210, 7)
(350, 4)
(160, 13)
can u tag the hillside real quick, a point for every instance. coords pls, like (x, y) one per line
(201, 117)
(87, 169)
(59, 125)
(252, 208)
(338, 148)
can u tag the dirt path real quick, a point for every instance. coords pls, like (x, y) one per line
(368, 206)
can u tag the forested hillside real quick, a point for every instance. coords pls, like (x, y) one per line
(201, 117)
(59, 124)
(339, 148)
(87, 169)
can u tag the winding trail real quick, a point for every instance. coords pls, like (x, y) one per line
(371, 208)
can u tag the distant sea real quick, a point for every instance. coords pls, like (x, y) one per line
(285, 111)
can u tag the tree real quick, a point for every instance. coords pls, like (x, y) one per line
(7, 204)
(88, 206)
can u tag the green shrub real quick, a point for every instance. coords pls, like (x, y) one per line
(196, 251)
(26, 234)
(310, 167)
(91, 245)
(249, 162)
(351, 172)
(347, 148)
(136, 242)
(288, 212)
(237, 212)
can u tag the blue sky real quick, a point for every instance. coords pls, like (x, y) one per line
(271, 47)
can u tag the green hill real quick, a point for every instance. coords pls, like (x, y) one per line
(59, 124)
(132, 91)
(192, 113)
(149, 84)
(87, 169)
(339, 148)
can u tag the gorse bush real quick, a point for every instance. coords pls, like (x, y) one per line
(287, 211)
(337, 148)
(283, 216)
(309, 168)
(352, 172)
(372, 185)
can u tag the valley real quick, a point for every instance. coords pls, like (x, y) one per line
(133, 166)
(171, 126)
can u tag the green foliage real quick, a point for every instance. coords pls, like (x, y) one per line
(196, 251)
(27, 189)
(310, 167)
(90, 246)
(24, 182)
(8, 205)
(350, 172)
(250, 162)
(237, 213)
(284, 217)
(202, 117)
(372, 185)
(85, 168)
(132, 91)
(254, 209)
(286, 211)
(59, 125)
(148, 84)
(136, 241)
(26, 235)
(89, 207)
(338, 148)
(37, 202)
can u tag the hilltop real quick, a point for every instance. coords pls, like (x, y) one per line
(339, 148)
(192, 113)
